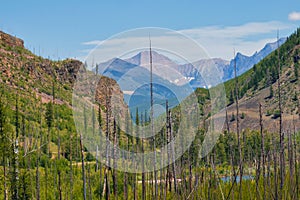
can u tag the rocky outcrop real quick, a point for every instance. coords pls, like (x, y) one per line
(10, 40)
(68, 71)
(109, 94)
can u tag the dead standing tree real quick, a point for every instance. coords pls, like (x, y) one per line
(170, 135)
(263, 157)
(281, 133)
(238, 128)
(106, 187)
(152, 123)
(82, 157)
(115, 135)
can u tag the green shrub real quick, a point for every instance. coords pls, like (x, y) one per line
(276, 114)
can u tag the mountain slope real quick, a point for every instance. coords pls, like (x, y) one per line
(33, 80)
(194, 71)
(259, 85)
(20, 68)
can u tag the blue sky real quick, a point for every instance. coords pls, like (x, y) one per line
(64, 28)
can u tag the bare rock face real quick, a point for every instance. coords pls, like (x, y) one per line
(109, 94)
(68, 71)
(11, 40)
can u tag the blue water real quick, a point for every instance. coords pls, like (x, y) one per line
(228, 178)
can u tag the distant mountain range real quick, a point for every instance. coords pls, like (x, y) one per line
(226, 68)
(165, 69)
(133, 77)
(244, 63)
(177, 81)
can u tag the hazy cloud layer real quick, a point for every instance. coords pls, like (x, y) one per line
(216, 41)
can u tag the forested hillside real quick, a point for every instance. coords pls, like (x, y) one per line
(259, 85)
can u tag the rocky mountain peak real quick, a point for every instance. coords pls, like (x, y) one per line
(143, 59)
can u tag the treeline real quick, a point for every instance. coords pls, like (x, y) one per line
(43, 158)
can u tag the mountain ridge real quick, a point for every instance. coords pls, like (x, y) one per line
(191, 72)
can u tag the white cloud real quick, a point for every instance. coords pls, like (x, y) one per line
(216, 41)
(294, 16)
(94, 42)
(123, 46)
(247, 38)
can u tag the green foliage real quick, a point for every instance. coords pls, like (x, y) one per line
(24, 191)
(269, 113)
(243, 116)
(232, 117)
(3, 117)
(295, 97)
(49, 115)
(5, 129)
(89, 157)
(231, 98)
(296, 71)
(276, 114)
(271, 92)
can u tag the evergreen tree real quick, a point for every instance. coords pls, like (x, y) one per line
(15, 155)
(296, 71)
(232, 117)
(231, 98)
(49, 121)
(271, 92)
(4, 143)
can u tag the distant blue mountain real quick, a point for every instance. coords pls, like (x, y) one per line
(226, 68)
(134, 82)
(244, 63)
(132, 74)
